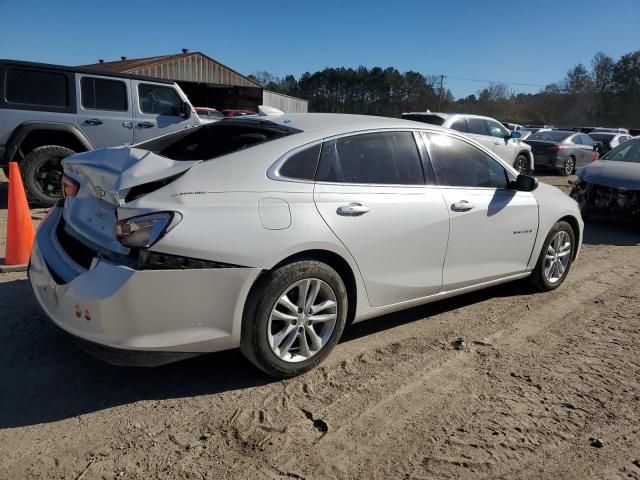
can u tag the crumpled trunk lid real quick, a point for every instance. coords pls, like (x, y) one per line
(105, 178)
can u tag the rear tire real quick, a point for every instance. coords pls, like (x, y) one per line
(568, 167)
(41, 173)
(559, 246)
(265, 341)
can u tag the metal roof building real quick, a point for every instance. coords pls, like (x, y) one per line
(207, 82)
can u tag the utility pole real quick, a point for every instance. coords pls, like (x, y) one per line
(442, 77)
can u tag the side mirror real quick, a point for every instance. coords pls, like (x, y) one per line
(516, 134)
(525, 183)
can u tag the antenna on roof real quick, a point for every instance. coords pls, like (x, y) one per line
(101, 60)
(185, 50)
(123, 58)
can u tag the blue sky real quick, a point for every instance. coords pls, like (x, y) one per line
(532, 42)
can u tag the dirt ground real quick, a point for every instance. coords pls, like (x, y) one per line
(547, 387)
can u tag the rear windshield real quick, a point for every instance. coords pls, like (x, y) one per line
(416, 117)
(216, 139)
(551, 136)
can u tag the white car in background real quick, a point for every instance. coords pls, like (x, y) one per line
(273, 233)
(486, 131)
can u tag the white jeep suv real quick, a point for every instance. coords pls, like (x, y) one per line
(485, 130)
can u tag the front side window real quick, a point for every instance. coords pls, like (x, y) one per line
(477, 126)
(159, 100)
(102, 94)
(464, 165)
(497, 130)
(389, 158)
(35, 87)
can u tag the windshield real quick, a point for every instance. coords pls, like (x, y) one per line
(551, 136)
(627, 152)
(216, 139)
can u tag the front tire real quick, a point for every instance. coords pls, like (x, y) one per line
(41, 172)
(294, 318)
(555, 258)
(521, 164)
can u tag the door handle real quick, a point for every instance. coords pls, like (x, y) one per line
(127, 124)
(462, 206)
(497, 143)
(352, 210)
(93, 121)
(145, 125)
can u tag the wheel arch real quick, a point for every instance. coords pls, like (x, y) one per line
(575, 226)
(334, 260)
(529, 155)
(31, 135)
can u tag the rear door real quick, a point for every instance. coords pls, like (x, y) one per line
(371, 191)
(583, 151)
(105, 110)
(157, 110)
(492, 227)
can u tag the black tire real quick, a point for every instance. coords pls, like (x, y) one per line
(42, 174)
(254, 342)
(568, 167)
(522, 164)
(538, 278)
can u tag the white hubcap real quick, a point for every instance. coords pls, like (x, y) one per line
(557, 257)
(302, 320)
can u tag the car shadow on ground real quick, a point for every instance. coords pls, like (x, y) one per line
(612, 231)
(45, 377)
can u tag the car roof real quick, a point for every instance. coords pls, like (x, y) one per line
(334, 123)
(447, 116)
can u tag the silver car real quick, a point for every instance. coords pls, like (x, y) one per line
(273, 234)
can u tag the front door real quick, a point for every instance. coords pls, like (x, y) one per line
(370, 190)
(157, 110)
(105, 110)
(492, 227)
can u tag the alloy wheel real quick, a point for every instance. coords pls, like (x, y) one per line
(557, 257)
(568, 166)
(49, 177)
(302, 320)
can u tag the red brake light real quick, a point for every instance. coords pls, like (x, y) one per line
(556, 148)
(69, 186)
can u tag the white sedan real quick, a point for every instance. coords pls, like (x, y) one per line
(273, 233)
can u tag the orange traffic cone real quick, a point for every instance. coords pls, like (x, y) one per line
(20, 232)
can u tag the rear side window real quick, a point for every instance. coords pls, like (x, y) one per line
(35, 87)
(389, 158)
(460, 125)
(158, 100)
(101, 94)
(463, 165)
(477, 126)
(302, 165)
(577, 139)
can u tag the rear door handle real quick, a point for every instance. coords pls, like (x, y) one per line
(462, 206)
(497, 143)
(352, 210)
(145, 125)
(93, 121)
(127, 124)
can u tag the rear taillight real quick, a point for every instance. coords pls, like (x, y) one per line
(557, 148)
(69, 186)
(145, 230)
